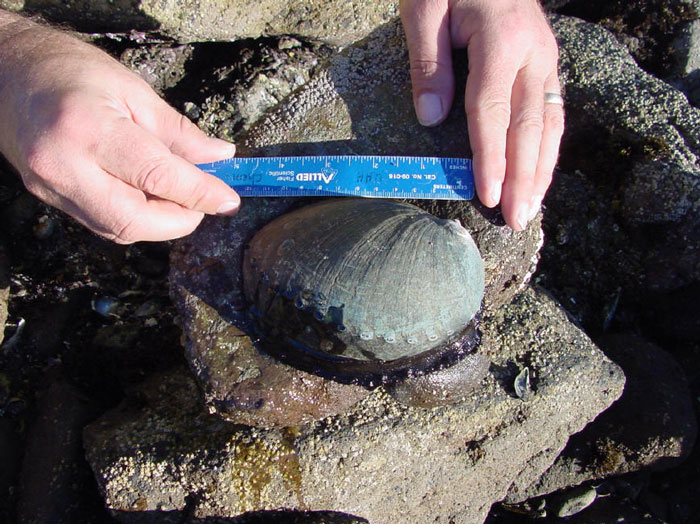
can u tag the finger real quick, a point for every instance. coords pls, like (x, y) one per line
(549, 147)
(119, 212)
(488, 93)
(176, 131)
(523, 147)
(426, 24)
(142, 161)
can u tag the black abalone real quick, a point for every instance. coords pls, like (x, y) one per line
(363, 289)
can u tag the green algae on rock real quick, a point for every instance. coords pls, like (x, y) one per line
(365, 289)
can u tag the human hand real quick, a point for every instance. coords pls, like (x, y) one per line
(91, 138)
(513, 56)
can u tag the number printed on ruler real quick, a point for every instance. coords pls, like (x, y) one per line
(360, 176)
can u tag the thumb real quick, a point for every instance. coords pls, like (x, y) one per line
(426, 23)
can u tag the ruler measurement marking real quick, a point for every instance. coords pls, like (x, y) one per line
(347, 175)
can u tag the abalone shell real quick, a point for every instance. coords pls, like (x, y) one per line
(363, 287)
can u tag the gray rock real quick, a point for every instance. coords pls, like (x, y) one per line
(380, 460)
(612, 511)
(631, 130)
(686, 69)
(687, 48)
(162, 66)
(338, 22)
(652, 425)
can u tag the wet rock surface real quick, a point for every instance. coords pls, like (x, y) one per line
(159, 450)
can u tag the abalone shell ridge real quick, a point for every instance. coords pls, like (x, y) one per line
(363, 279)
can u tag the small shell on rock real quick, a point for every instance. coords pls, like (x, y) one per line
(521, 384)
(364, 288)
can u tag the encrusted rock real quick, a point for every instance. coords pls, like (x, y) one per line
(379, 460)
(638, 138)
(652, 425)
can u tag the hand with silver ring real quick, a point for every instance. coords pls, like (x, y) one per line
(515, 113)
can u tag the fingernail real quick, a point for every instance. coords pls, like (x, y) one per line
(227, 208)
(535, 203)
(429, 109)
(495, 193)
(227, 148)
(522, 216)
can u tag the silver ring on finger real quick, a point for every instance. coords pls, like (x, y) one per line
(553, 98)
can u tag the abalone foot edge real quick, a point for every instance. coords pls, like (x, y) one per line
(373, 373)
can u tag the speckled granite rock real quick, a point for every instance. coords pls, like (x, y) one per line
(336, 21)
(653, 424)
(350, 107)
(638, 137)
(380, 460)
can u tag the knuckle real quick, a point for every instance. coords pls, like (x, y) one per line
(155, 177)
(495, 111)
(554, 121)
(530, 120)
(40, 160)
(125, 231)
(185, 125)
(424, 68)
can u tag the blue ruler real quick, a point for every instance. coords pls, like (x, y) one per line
(360, 176)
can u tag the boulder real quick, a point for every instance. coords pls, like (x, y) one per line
(334, 21)
(637, 137)
(652, 426)
(379, 460)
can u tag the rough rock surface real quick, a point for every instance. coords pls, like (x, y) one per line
(652, 425)
(224, 95)
(336, 21)
(347, 108)
(380, 460)
(637, 136)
